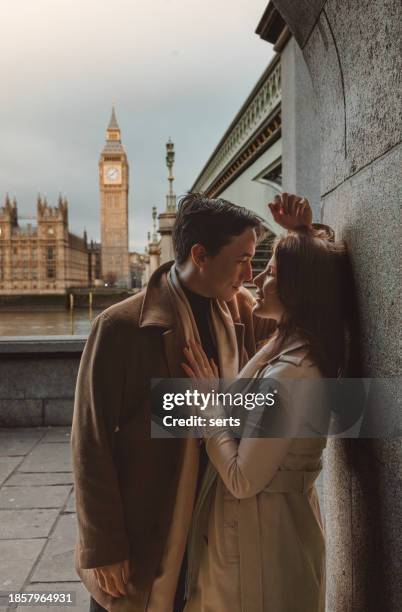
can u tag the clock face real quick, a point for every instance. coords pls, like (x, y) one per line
(113, 173)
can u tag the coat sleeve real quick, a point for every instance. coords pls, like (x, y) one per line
(248, 466)
(99, 392)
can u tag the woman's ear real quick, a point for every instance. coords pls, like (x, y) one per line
(198, 255)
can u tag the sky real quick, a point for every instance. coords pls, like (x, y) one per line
(173, 68)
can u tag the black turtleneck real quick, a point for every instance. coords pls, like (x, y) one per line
(201, 308)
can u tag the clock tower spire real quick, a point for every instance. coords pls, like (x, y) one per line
(113, 184)
(113, 130)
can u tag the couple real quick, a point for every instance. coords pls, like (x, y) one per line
(255, 543)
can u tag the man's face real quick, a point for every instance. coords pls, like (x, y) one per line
(223, 274)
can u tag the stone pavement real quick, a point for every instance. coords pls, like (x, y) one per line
(37, 516)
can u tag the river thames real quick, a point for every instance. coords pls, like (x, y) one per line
(49, 323)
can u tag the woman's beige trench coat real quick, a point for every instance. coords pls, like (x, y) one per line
(262, 548)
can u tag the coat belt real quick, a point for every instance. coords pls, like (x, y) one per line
(251, 578)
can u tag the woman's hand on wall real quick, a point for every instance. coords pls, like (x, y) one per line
(291, 211)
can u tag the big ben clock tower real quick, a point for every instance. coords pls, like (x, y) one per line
(113, 182)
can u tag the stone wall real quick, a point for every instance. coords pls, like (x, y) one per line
(352, 52)
(300, 133)
(37, 380)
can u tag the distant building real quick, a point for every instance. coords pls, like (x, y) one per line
(46, 258)
(113, 184)
(95, 263)
(138, 264)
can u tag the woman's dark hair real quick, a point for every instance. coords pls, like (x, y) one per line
(312, 275)
(210, 222)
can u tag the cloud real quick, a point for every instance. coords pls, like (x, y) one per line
(175, 68)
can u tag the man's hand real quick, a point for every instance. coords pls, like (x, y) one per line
(290, 211)
(112, 579)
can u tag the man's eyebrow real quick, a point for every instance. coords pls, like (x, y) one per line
(246, 255)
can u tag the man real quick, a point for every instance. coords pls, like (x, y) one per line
(135, 494)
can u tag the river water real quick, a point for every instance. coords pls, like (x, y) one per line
(50, 323)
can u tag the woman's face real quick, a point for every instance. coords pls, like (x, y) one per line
(268, 304)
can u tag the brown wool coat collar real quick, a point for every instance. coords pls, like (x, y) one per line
(157, 307)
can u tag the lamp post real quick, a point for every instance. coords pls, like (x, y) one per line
(167, 218)
(170, 198)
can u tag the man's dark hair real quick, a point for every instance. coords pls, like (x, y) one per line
(210, 222)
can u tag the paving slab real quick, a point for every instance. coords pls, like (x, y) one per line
(57, 562)
(57, 434)
(40, 478)
(50, 457)
(16, 559)
(34, 497)
(21, 524)
(71, 503)
(81, 596)
(15, 442)
(7, 466)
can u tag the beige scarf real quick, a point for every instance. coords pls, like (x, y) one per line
(222, 325)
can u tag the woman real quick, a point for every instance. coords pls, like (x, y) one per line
(258, 542)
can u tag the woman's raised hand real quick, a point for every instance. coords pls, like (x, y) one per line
(290, 211)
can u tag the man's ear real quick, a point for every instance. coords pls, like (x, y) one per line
(198, 255)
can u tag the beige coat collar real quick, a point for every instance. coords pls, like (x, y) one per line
(294, 351)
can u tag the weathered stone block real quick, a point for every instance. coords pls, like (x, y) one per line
(58, 411)
(321, 57)
(367, 37)
(339, 542)
(300, 133)
(365, 211)
(38, 377)
(300, 16)
(21, 412)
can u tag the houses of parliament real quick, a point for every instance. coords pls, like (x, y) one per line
(48, 258)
